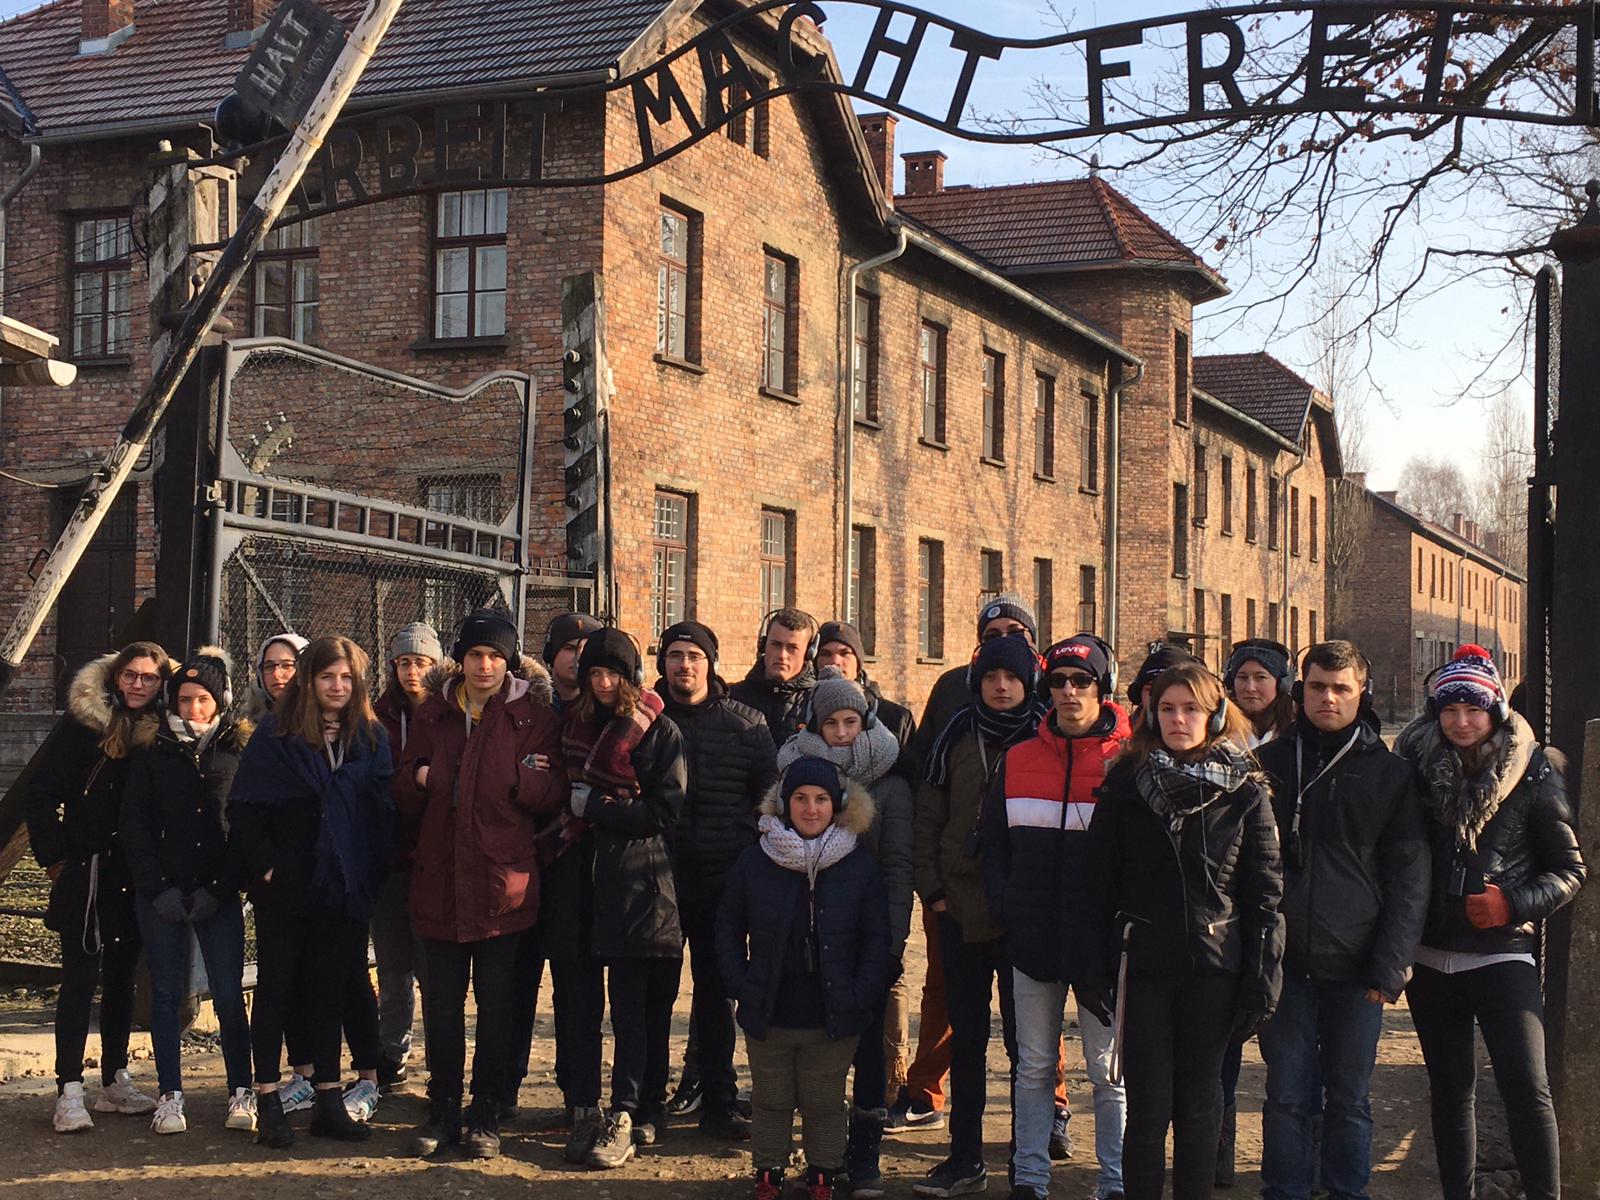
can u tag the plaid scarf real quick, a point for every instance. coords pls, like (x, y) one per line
(1176, 791)
(601, 755)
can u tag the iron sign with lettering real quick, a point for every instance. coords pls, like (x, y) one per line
(291, 59)
(1215, 55)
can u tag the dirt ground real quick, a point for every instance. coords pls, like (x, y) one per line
(122, 1158)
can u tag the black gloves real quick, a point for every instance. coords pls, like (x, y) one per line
(170, 908)
(1248, 1019)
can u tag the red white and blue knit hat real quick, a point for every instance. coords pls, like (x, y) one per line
(1469, 677)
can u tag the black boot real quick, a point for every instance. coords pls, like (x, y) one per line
(1226, 1142)
(272, 1126)
(443, 1129)
(330, 1119)
(483, 1130)
(862, 1151)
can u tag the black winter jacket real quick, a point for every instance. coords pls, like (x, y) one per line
(1529, 847)
(1203, 901)
(635, 884)
(1356, 891)
(754, 932)
(174, 814)
(781, 705)
(731, 763)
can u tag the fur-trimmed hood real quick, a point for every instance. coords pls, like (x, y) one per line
(857, 816)
(90, 703)
(528, 677)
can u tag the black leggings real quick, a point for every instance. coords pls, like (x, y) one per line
(1176, 1033)
(1504, 1001)
(305, 963)
(643, 991)
(113, 970)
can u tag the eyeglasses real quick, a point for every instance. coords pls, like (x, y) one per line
(138, 679)
(688, 657)
(1077, 682)
(278, 668)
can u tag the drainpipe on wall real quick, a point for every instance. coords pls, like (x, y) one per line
(852, 277)
(1114, 492)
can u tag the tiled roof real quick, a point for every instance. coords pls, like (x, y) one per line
(1260, 387)
(175, 67)
(1062, 223)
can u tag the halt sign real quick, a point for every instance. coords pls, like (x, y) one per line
(294, 55)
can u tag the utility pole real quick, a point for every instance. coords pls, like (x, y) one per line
(219, 287)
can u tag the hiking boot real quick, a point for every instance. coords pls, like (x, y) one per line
(587, 1124)
(442, 1129)
(272, 1126)
(482, 1138)
(242, 1110)
(951, 1178)
(330, 1118)
(121, 1096)
(1061, 1136)
(169, 1116)
(71, 1116)
(614, 1146)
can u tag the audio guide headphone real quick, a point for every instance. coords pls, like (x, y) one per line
(812, 646)
(1107, 679)
(1298, 691)
(1501, 712)
(1215, 723)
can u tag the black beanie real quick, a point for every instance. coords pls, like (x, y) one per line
(845, 634)
(610, 648)
(207, 666)
(1274, 656)
(486, 628)
(1168, 654)
(568, 627)
(687, 631)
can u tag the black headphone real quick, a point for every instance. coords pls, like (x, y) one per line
(1501, 712)
(1107, 679)
(1241, 654)
(1215, 723)
(812, 646)
(1298, 691)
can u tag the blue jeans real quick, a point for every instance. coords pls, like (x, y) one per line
(1332, 1027)
(221, 941)
(1040, 1010)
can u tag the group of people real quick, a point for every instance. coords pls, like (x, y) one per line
(1219, 859)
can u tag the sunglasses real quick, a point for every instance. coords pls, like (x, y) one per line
(1077, 681)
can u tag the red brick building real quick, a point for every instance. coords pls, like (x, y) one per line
(1017, 381)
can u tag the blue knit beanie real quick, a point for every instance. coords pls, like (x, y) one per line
(812, 771)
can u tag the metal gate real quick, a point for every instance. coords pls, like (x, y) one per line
(354, 500)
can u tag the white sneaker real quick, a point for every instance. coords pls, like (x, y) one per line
(71, 1116)
(297, 1094)
(242, 1110)
(361, 1100)
(169, 1114)
(123, 1097)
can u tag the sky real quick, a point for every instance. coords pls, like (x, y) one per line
(1422, 373)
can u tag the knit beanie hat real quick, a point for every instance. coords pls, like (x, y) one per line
(846, 635)
(692, 632)
(1012, 653)
(1469, 677)
(834, 692)
(1168, 654)
(1082, 651)
(417, 638)
(568, 627)
(612, 649)
(209, 667)
(1273, 656)
(486, 628)
(1008, 604)
(812, 772)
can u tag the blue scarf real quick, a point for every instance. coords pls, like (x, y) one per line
(354, 843)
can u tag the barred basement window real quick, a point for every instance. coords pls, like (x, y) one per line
(469, 264)
(285, 293)
(101, 270)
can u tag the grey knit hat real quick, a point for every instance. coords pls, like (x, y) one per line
(1009, 604)
(417, 638)
(834, 692)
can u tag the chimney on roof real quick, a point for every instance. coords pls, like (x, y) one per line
(1359, 478)
(1391, 497)
(1491, 543)
(925, 172)
(101, 19)
(247, 15)
(878, 129)
(1458, 524)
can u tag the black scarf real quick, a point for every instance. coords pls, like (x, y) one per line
(1000, 730)
(1177, 790)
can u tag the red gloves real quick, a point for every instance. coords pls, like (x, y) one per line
(1489, 909)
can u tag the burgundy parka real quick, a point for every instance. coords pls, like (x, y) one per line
(475, 872)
